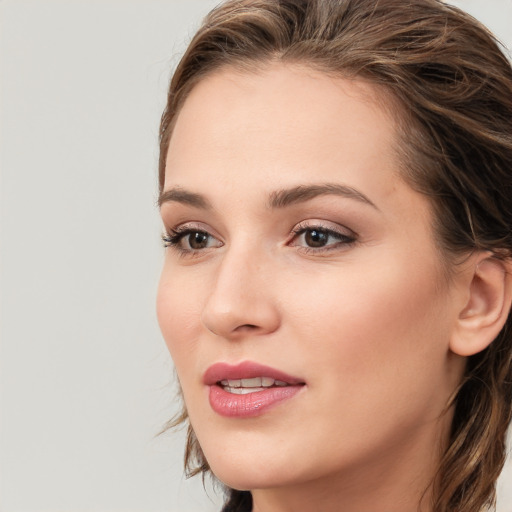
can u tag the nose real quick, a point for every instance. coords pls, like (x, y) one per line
(242, 298)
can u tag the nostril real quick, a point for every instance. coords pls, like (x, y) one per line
(246, 327)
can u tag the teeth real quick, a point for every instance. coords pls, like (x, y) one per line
(242, 391)
(232, 383)
(244, 386)
(266, 382)
(252, 383)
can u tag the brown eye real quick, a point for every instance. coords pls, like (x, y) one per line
(315, 238)
(198, 240)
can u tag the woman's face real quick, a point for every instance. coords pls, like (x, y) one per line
(298, 255)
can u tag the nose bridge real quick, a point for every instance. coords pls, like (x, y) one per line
(240, 299)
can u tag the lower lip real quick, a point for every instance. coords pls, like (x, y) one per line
(251, 404)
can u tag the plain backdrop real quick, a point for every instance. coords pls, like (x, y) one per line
(86, 381)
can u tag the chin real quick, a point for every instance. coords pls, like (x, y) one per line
(248, 480)
(250, 471)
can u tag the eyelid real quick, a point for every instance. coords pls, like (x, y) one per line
(193, 226)
(325, 226)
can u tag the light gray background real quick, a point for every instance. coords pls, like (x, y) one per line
(86, 381)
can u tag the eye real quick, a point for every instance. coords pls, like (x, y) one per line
(195, 240)
(189, 240)
(316, 237)
(319, 237)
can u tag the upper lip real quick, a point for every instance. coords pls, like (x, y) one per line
(245, 370)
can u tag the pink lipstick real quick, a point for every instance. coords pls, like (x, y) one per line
(248, 389)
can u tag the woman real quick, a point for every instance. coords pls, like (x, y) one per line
(335, 186)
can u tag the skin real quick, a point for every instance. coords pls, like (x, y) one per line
(367, 324)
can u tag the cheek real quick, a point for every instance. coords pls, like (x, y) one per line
(178, 312)
(372, 324)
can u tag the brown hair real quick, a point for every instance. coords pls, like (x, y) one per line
(453, 85)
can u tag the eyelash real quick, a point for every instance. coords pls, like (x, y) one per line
(173, 237)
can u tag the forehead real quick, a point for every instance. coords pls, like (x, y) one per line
(282, 117)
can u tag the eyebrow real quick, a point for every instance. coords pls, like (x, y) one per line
(277, 199)
(303, 193)
(180, 195)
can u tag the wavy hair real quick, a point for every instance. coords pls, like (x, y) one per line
(451, 84)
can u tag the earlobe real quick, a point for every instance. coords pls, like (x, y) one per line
(485, 312)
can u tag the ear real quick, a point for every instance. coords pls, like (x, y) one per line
(488, 298)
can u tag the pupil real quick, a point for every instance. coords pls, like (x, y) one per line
(316, 238)
(198, 240)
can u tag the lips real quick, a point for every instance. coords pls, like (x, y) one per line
(248, 389)
(246, 370)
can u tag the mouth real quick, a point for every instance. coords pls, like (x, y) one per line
(246, 386)
(248, 389)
